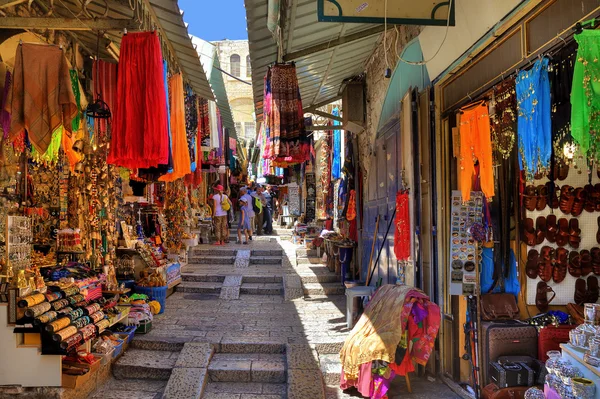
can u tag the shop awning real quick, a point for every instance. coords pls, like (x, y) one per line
(325, 53)
(162, 15)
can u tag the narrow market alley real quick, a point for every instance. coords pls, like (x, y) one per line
(264, 321)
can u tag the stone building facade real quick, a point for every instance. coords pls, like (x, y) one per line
(235, 60)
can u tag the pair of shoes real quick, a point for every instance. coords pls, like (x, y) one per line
(238, 242)
(250, 238)
(245, 243)
(218, 243)
(587, 294)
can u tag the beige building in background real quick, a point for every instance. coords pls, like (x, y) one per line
(235, 60)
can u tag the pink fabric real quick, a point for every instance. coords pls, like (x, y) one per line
(364, 384)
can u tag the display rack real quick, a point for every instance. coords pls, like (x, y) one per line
(19, 240)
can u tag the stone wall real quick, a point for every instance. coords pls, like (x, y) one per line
(377, 85)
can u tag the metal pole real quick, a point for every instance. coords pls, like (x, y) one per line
(357, 186)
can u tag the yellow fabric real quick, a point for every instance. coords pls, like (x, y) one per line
(154, 307)
(51, 154)
(181, 153)
(378, 331)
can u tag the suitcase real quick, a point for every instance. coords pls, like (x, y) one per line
(506, 339)
(550, 339)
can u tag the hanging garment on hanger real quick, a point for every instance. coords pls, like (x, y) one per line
(4, 113)
(42, 98)
(475, 146)
(533, 102)
(585, 95)
(336, 164)
(181, 155)
(214, 130)
(139, 132)
(402, 234)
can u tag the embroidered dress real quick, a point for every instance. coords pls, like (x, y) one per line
(503, 117)
(402, 231)
(585, 95)
(533, 102)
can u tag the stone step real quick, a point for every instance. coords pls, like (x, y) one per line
(331, 368)
(145, 364)
(265, 260)
(202, 278)
(247, 367)
(306, 253)
(254, 390)
(310, 261)
(262, 279)
(324, 289)
(311, 278)
(172, 343)
(266, 252)
(262, 288)
(197, 251)
(138, 389)
(232, 346)
(211, 260)
(202, 287)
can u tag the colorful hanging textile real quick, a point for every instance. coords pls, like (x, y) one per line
(139, 133)
(503, 117)
(284, 117)
(402, 233)
(5, 113)
(336, 161)
(214, 129)
(204, 124)
(585, 95)
(105, 86)
(191, 124)
(533, 102)
(181, 155)
(42, 97)
(475, 146)
(75, 86)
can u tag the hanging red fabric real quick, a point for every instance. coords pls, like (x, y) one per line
(402, 229)
(140, 137)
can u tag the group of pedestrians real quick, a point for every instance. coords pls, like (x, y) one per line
(255, 207)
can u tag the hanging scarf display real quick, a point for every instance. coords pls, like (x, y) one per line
(585, 95)
(402, 233)
(475, 146)
(204, 124)
(42, 97)
(503, 117)
(336, 162)
(139, 132)
(181, 156)
(284, 117)
(533, 102)
(191, 124)
(5, 113)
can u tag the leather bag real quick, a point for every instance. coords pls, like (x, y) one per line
(491, 391)
(499, 307)
(551, 337)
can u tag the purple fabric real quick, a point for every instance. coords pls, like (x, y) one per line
(419, 312)
(5, 115)
(381, 385)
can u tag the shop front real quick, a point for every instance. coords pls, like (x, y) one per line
(517, 224)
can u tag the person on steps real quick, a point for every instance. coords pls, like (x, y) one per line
(244, 223)
(220, 214)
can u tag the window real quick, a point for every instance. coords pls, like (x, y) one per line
(238, 128)
(248, 67)
(234, 65)
(249, 130)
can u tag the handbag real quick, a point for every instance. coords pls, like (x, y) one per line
(225, 203)
(498, 307)
(491, 391)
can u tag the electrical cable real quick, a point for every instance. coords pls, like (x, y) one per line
(450, 4)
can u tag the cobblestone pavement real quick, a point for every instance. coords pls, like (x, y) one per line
(247, 325)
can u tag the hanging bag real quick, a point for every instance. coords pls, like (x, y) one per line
(225, 205)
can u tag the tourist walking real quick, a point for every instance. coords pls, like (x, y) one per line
(220, 207)
(244, 222)
(248, 207)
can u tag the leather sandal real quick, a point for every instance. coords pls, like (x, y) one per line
(580, 198)
(531, 267)
(540, 230)
(591, 198)
(585, 262)
(563, 171)
(598, 232)
(545, 269)
(541, 298)
(581, 293)
(529, 232)
(597, 196)
(574, 264)
(552, 195)
(562, 238)
(593, 290)
(542, 199)
(530, 198)
(559, 272)
(595, 252)
(566, 199)
(574, 233)
(551, 228)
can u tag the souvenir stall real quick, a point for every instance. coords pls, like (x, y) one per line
(97, 206)
(523, 244)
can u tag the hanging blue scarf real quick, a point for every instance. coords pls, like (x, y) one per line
(336, 162)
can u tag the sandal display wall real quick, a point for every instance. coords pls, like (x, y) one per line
(588, 224)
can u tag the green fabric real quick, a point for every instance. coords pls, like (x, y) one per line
(585, 94)
(77, 93)
(51, 154)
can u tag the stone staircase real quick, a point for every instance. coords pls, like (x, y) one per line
(317, 279)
